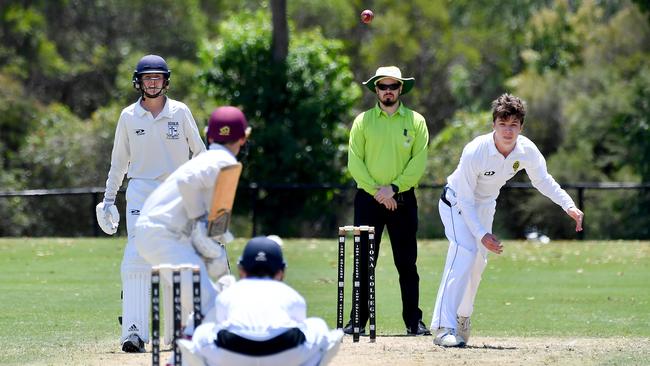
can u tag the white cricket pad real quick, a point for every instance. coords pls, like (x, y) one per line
(190, 354)
(168, 301)
(136, 304)
(168, 312)
(276, 239)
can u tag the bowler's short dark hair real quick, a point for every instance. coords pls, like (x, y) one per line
(507, 106)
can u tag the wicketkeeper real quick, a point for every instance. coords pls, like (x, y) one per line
(260, 320)
(173, 227)
(467, 206)
(154, 136)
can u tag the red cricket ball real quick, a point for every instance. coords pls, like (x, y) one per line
(366, 16)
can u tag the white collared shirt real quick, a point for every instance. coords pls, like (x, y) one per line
(187, 193)
(482, 171)
(152, 148)
(259, 309)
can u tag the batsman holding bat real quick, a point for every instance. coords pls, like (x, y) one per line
(173, 225)
(154, 136)
(467, 206)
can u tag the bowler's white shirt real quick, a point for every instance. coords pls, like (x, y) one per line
(187, 193)
(152, 148)
(483, 170)
(259, 309)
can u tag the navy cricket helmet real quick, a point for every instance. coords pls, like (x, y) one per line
(262, 257)
(151, 64)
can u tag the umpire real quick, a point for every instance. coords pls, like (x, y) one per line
(387, 155)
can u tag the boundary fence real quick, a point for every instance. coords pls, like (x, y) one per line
(254, 190)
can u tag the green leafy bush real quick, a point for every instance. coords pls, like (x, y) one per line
(299, 109)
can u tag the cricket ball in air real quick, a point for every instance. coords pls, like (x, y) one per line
(367, 16)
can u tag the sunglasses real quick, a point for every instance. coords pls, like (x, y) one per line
(388, 86)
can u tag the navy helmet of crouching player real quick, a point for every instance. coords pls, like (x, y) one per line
(151, 64)
(262, 257)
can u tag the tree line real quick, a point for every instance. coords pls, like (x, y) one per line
(582, 67)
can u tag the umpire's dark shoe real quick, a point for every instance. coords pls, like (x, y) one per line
(133, 344)
(420, 329)
(348, 329)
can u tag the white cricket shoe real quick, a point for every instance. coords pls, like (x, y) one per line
(447, 337)
(464, 327)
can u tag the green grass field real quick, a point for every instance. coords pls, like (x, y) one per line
(63, 294)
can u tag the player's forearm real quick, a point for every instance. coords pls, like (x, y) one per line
(194, 139)
(361, 175)
(413, 172)
(551, 189)
(115, 177)
(472, 220)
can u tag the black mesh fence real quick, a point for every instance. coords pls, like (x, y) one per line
(612, 211)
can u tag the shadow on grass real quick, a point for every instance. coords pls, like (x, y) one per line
(484, 346)
(488, 346)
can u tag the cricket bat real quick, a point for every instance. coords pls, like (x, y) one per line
(223, 199)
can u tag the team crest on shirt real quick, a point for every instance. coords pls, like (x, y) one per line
(515, 166)
(172, 130)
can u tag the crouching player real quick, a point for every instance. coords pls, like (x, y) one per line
(172, 228)
(261, 320)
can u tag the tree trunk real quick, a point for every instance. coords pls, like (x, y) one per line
(280, 42)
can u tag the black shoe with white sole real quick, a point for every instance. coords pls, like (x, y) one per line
(419, 329)
(133, 344)
(349, 330)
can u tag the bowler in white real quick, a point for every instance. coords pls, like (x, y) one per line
(467, 206)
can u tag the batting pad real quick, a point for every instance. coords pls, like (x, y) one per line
(136, 304)
(168, 302)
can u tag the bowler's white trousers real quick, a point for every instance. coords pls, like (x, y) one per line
(466, 260)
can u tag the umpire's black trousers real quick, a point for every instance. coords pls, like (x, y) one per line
(402, 225)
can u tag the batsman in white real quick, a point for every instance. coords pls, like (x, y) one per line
(154, 136)
(467, 206)
(261, 320)
(172, 228)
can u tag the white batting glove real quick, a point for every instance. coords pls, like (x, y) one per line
(225, 281)
(217, 267)
(205, 246)
(108, 217)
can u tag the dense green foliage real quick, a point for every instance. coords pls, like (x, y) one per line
(65, 293)
(298, 110)
(582, 66)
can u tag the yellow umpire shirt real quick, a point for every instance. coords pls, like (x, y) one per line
(386, 150)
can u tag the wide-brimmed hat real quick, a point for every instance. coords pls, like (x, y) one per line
(390, 72)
